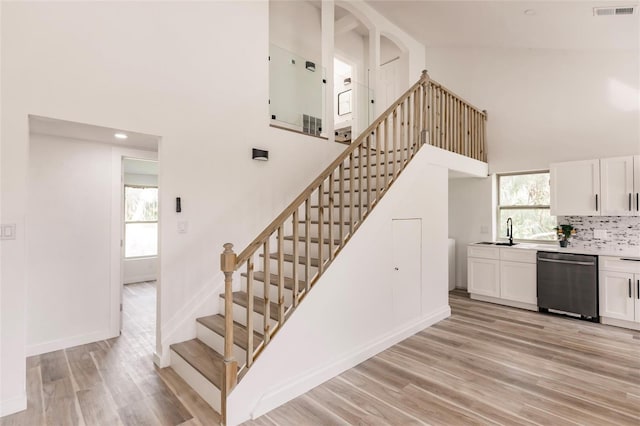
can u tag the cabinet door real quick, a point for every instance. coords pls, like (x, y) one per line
(407, 258)
(575, 188)
(615, 299)
(637, 296)
(616, 186)
(518, 282)
(483, 276)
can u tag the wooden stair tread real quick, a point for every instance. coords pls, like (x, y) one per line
(288, 282)
(326, 222)
(313, 240)
(241, 298)
(205, 360)
(347, 191)
(216, 324)
(289, 258)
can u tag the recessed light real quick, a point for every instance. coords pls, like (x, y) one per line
(530, 12)
(120, 136)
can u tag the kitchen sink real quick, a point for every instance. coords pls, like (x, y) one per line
(492, 243)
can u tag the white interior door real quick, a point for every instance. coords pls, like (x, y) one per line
(389, 84)
(407, 281)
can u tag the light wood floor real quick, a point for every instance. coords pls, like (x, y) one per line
(486, 364)
(112, 382)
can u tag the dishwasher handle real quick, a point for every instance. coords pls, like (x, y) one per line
(569, 262)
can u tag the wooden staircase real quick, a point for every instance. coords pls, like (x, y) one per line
(280, 267)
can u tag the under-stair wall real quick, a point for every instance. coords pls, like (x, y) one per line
(350, 315)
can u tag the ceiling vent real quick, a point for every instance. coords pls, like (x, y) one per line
(613, 11)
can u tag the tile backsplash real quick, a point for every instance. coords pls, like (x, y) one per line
(623, 232)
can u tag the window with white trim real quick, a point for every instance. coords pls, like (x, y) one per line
(140, 221)
(525, 198)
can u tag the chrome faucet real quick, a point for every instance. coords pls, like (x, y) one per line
(510, 231)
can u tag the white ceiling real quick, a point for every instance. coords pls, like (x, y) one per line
(554, 24)
(88, 132)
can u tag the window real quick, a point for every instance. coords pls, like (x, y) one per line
(525, 199)
(140, 221)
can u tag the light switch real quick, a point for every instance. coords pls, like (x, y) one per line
(600, 234)
(8, 231)
(182, 227)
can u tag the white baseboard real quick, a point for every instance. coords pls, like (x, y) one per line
(274, 398)
(498, 301)
(13, 405)
(68, 342)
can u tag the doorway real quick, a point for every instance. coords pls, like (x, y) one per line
(139, 254)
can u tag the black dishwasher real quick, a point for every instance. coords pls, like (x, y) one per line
(568, 283)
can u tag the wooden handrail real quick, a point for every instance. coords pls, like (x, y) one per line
(374, 161)
(271, 228)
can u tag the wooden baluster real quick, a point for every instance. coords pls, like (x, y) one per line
(267, 283)
(386, 151)
(484, 136)
(230, 369)
(331, 205)
(320, 226)
(296, 255)
(360, 177)
(449, 123)
(433, 125)
(281, 275)
(425, 107)
(341, 202)
(416, 120)
(394, 136)
(351, 197)
(379, 158)
(250, 269)
(307, 243)
(403, 144)
(369, 173)
(407, 134)
(459, 125)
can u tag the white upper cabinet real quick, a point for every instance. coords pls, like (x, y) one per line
(575, 188)
(619, 196)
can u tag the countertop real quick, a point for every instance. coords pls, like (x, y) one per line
(631, 252)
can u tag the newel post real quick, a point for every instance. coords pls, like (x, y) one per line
(230, 372)
(426, 106)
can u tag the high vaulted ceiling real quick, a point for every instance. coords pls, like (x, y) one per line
(504, 24)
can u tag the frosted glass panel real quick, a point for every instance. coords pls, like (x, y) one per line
(296, 91)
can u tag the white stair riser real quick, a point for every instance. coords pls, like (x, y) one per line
(313, 247)
(346, 212)
(358, 198)
(197, 381)
(288, 267)
(258, 291)
(314, 229)
(240, 316)
(216, 342)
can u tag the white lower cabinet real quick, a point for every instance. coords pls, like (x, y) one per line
(619, 292)
(502, 275)
(484, 277)
(518, 282)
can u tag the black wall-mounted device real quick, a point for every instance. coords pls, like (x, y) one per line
(259, 154)
(178, 205)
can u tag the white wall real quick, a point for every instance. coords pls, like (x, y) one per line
(162, 69)
(544, 106)
(471, 217)
(295, 26)
(68, 243)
